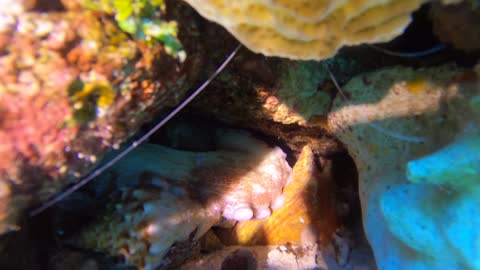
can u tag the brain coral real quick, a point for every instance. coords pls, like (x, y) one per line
(308, 29)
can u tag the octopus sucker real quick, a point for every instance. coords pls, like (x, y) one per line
(170, 196)
(298, 216)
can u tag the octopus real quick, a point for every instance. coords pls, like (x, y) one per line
(168, 197)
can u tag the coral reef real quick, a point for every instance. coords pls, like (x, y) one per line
(73, 85)
(79, 78)
(313, 29)
(255, 258)
(413, 137)
(170, 196)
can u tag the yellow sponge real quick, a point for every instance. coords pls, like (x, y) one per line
(308, 29)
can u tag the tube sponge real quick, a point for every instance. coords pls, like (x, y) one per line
(308, 29)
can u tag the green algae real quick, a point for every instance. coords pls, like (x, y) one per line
(89, 100)
(143, 20)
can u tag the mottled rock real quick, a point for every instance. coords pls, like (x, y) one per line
(291, 257)
(393, 126)
(287, 100)
(72, 86)
(457, 24)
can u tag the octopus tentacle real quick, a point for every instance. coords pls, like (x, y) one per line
(171, 196)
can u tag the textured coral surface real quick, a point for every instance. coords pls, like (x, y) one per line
(313, 29)
(404, 128)
(72, 85)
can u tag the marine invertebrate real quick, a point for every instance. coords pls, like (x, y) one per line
(313, 29)
(132, 146)
(413, 220)
(305, 218)
(173, 196)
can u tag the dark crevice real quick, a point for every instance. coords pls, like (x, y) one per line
(49, 6)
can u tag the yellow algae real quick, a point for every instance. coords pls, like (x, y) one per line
(417, 85)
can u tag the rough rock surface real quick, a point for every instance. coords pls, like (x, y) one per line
(405, 128)
(288, 100)
(293, 257)
(72, 86)
(458, 24)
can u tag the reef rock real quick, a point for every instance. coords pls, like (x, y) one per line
(73, 85)
(458, 24)
(281, 257)
(414, 137)
(284, 99)
(170, 196)
(255, 258)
